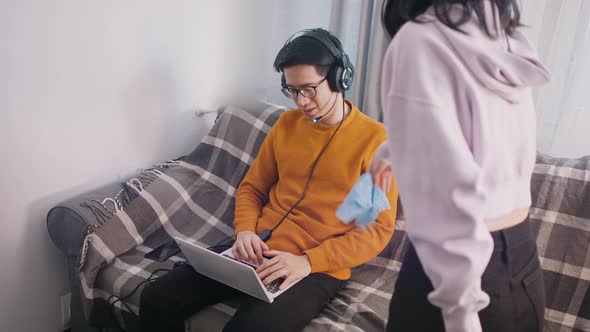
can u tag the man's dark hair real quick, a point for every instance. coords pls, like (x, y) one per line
(305, 51)
(397, 12)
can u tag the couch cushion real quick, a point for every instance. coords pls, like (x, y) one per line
(560, 216)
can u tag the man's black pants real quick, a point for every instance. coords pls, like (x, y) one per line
(167, 302)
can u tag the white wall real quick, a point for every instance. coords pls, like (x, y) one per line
(561, 31)
(89, 93)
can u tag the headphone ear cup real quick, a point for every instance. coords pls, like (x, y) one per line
(334, 78)
(347, 75)
(346, 79)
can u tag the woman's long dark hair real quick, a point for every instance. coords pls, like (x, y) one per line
(397, 12)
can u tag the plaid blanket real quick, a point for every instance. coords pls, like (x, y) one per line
(560, 215)
(194, 199)
(191, 198)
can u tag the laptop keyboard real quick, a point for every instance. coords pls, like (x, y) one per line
(237, 260)
(273, 287)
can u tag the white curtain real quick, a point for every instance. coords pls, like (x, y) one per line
(373, 41)
(561, 31)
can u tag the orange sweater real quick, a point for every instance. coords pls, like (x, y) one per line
(277, 178)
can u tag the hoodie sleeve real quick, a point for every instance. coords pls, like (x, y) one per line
(437, 173)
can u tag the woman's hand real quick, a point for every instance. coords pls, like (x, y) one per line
(283, 265)
(382, 172)
(249, 247)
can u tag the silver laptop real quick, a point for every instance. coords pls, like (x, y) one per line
(224, 268)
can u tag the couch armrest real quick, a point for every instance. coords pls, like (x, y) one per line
(67, 222)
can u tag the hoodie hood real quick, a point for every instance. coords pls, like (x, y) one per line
(509, 65)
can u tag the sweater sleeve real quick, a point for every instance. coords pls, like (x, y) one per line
(438, 178)
(358, 246)
(253, 191)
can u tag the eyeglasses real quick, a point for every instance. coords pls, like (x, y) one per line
(308, 91)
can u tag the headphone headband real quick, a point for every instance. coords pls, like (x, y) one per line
(341, 74)
(333, 45)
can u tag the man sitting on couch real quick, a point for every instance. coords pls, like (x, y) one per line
(308, 163)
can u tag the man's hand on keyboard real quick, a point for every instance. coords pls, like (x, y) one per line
(283, 265)
(249, 247)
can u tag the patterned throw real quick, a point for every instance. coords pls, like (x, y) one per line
(194, 198)
(560, 216)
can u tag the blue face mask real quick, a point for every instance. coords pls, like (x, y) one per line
(364, 202)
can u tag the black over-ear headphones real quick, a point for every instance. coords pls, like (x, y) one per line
(341, 72)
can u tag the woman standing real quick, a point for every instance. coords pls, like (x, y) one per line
(457, 104)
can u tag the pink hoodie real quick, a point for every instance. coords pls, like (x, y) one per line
(461, 123)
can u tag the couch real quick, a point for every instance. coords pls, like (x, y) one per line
(106, 288)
